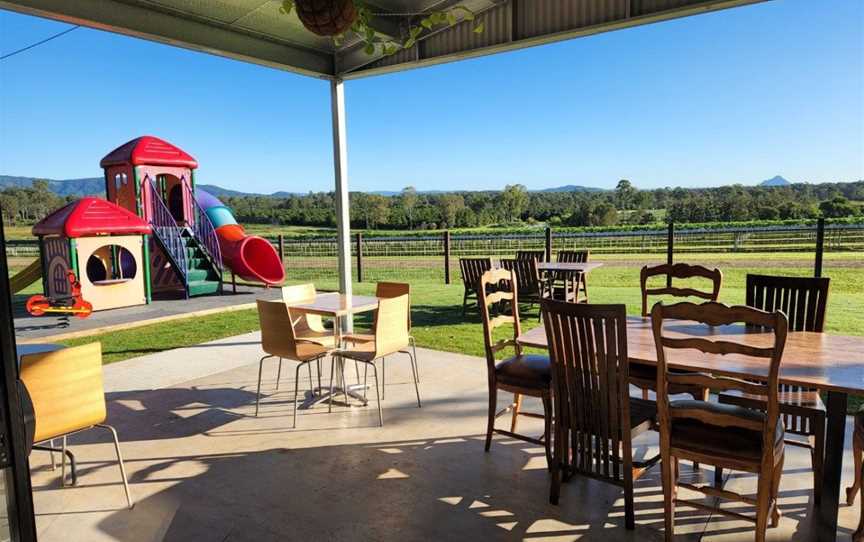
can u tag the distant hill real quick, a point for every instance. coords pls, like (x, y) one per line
(70, 187)
(775, 181)
(571, 188)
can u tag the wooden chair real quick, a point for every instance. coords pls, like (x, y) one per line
(804, 301)
(472, 269)
(858, 456)
(645, 376)
(726, 436)
(391, 337)
(308, 327)
(279, 340)
(65, 387)
(594, 413)
(539, 255)
(530, 286)
(389, 290)
(520, 374)
(569, 286)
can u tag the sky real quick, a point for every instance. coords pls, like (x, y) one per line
(736, 96)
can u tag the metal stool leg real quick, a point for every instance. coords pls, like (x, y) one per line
(120, 463)
(258, 393)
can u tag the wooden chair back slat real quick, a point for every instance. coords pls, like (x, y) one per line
(679, 271)
(472, 269)
(716, 314)
(573, 256)
(527, 275)
(495, 304)
(590, 372)
(539, 255)
(804, 300)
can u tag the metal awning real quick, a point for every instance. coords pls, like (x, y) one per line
(255, 30)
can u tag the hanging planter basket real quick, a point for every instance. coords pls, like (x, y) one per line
(326, 17)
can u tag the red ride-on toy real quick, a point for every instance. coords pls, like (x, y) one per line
(72, 304)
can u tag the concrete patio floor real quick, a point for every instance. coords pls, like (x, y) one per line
(203, 468)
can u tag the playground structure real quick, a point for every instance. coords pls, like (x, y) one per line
(154, 234)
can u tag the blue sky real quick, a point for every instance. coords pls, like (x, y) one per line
(734, 96)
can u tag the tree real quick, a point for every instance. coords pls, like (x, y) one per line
(408, 200)
(625, 194)
(838, 207)
(450, 205)
(370, 209)
(513, 201)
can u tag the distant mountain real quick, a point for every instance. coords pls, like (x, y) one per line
(775, 181)
(70, 187)
(571, 188)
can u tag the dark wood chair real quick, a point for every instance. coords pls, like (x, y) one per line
(531, 287)
(645, 376)
(804, 301)
(726, 436)
(570, 286)
(858, 456)
(472, 269)
(520, 374)
(539, 255)
(595, 416)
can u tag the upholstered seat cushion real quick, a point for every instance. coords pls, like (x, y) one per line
(643, 414)
(526, 371)
(710, 439)
(645, 376)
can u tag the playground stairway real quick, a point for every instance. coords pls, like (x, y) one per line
(201, 277)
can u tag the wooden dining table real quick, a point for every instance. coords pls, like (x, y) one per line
(833, 364)
(341, 308)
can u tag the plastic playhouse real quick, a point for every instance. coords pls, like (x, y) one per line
(155, 234)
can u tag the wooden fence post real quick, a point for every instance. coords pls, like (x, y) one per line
(670, 249)
(548, 244)
(447, 257)
(282, 248)
(820, 247)
(359, 256)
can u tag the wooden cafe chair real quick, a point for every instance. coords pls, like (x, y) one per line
(596, 420)
(857, 486)
(68, 397)
(472, 269)
(726, 436)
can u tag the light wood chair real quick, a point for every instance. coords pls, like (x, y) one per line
(539, 255)
(65, 387)
(389, 290)
(520, 374)
(857, 486)
(804, 301)
(391, 337)
(472, 269)
(307, 327)
(726, 436)
(278, 340)
(569, 286)
(595, 417)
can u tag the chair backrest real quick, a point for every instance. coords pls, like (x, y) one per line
(472, 269)
(303, 293)
(66, 389)
(679, 271)
(590, 382)
(278, 336)
(498, 299)
(713, 314)
(391, 325)
(395, 289)
(803, 300)
(539, 255)
(573, 256)
(527, 274)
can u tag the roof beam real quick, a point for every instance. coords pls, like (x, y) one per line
(141, 20)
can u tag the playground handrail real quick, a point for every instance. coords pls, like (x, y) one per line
(167, 231)
(205, 233)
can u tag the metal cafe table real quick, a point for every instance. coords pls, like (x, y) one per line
(833, 364)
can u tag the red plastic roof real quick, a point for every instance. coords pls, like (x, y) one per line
(148, 151)
(91, 216)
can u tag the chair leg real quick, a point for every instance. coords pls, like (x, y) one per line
(858, 460)
(63, 462)
(718, 477)
(558, 460)
(120, 463)
(668, 481)
(763, 500)
(490, 424)
(818, 459)
(547, 429)
(296, 391)
(416, 378)
(464, 302)
(319, 374)
(629, 505)
(279, 373)
(258, 393)
(332, 370)
(517, 406)
(311, 385)
(645, 394)
(413, 343)
(378, 395)
(775, 491)
(53, 461)
(383, 378)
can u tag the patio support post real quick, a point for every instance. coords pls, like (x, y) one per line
(340, 171)
(820, 247)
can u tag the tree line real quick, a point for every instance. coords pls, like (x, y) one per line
(514, 205)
